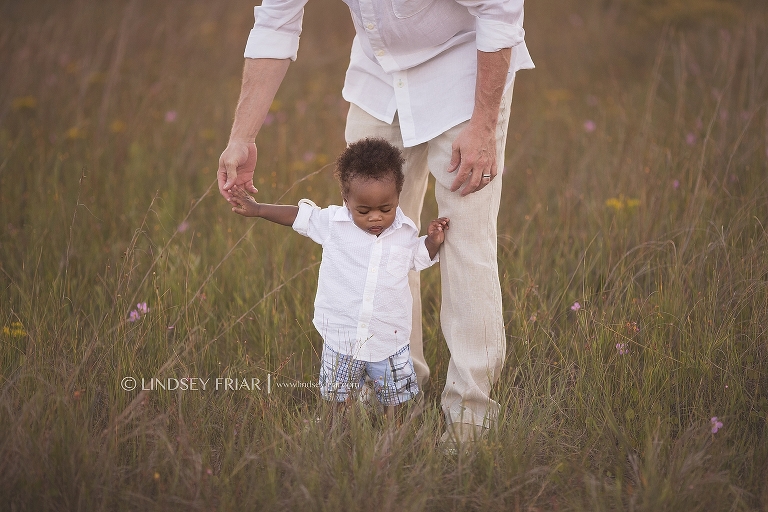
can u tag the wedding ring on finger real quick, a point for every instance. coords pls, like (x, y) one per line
(487, 177)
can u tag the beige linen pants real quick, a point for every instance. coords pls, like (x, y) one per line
(471, 310)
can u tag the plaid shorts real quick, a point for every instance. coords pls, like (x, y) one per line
(342, 377)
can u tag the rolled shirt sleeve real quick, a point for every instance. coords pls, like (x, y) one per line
(312, 221)
(421, 259)
(276, 30)
(499, 23)
(492, 36)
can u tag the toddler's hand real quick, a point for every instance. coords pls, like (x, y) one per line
(245, 205)
(437, 229)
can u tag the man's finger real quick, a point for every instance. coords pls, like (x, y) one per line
(486, 177)
(463, 175)
(221, 176)
(231, 176)
(472, 182)
(481, 183)
(455, 158)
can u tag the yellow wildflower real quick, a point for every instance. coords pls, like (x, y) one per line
(15, 330)
(24, 103)
(622, 203)
(558, 95)
(97, 78)
(75, 133)
(117, 126)
(207, 134)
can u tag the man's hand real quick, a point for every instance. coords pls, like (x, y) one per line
(474, 157)
(474, 150)
(261, 78)
(236, 166)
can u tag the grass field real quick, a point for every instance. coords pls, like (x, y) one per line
(632, 247)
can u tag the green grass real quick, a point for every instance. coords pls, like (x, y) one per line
(112, 117)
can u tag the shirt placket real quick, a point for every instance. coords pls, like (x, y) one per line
(369, 291)
(388, 64)
(403, 100)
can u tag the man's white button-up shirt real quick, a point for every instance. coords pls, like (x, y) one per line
(363, 303)
(414, 57)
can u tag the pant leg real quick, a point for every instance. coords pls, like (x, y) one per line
(471, 309)
(360, 125)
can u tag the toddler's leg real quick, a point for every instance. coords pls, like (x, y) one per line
(394, 380)
(340, 376)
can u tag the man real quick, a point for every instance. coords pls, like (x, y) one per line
(433, 77)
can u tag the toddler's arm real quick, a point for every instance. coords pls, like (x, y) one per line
(247, 206)
(436, 235)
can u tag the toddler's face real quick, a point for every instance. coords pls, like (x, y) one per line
(372, 204)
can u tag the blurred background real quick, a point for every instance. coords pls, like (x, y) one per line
(632, 252)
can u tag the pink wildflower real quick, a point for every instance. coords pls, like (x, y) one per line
(133, 316)
(716, 424)
(142, 308)
(589, 126)
(171, 116)
(622, 348)
(576, 306)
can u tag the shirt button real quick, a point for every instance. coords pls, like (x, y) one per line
(400, 83)
(370, 26)
(363, 325)
(380, 53)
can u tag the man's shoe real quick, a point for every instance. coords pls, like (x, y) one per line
(460, 436)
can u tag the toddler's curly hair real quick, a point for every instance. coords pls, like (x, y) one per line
(372, 159)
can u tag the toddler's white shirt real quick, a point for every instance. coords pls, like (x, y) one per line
(363, 303)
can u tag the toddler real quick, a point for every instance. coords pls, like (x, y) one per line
(363, 303)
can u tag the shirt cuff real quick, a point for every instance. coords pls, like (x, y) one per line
(269, 39)
(421, 259)
(265, 44)
(301, 224)
(493, 35)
